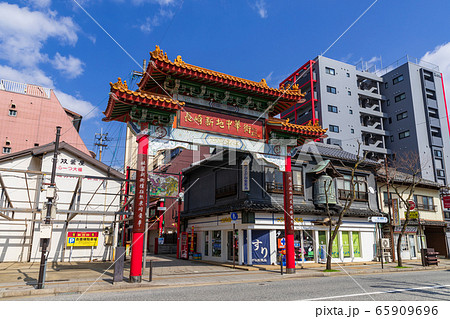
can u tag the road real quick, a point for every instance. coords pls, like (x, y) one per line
(402, 286)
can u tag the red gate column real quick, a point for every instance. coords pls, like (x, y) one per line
(140, 204)
(289, 217)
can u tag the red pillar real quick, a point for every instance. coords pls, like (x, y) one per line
(179, 218)
(161, 218)
(289, 217)
(140, 205)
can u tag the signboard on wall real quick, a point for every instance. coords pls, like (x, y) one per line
(184, 245)
(395, 212)
(163, 185)
(82, 239)
(201, 120)
(260, 247)
(446, 200)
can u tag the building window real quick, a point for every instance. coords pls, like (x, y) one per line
(350, 111)
(345, 188)
(403, 135)
(332, 108)
(438, 153)
(402, 116)
(349, 92)
(424, 203)
(297, 178)
(356, 244)
(274, 180)
(6, 150)
(397, 79)
(386, 85)
(331, 89)
(390, 120)
(352, 131)
(392, 138)
(435, 131)
(440, 173)
(226, 191)
(334, 128)
(12, 113)
(348, 74)
(400, 97)
(330, 71)
(388, 102)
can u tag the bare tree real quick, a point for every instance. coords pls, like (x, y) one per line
(403, 175)
(349, 199)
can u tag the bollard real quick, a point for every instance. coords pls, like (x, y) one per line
(119, 264)
(151, 272)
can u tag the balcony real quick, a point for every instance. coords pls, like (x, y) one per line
(278, 188)
(345, 194)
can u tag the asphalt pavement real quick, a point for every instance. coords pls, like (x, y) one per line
(18, 280)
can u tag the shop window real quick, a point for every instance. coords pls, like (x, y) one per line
(346, 244)
(308, 245)
(356, 244)
(335, 251)
(248, 217)
(206, 243)
(217, 243)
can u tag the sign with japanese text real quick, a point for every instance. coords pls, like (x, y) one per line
(260, 247)
(140, 199)
(288, 203)
(412, 214)
(409, 229)
(184, 245)
(446, 200)
(86, 239)
(219, 123)
(163, 185)
(245, 176)
(70, 165)
(395, 212)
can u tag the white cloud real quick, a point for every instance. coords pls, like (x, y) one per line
(70, 66)
(84, 108)
(23, 33)
(29, 76)
(39, 3)
(155, 21)
(261, 8)
(440, 56)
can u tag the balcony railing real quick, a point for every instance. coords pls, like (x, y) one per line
(359, 196)
(272, 187)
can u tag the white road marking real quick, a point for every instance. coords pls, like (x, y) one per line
(379, 292)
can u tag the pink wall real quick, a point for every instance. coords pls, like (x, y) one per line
(35, 123)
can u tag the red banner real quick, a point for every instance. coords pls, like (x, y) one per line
(446, 200)
(219, 123)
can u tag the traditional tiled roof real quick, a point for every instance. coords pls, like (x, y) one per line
(121, 99)
(159, 55)
(283, 125)
(399, 177)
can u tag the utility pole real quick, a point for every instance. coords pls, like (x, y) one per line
(51, 192)
(101, 139)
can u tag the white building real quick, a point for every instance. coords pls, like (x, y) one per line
(83, 184)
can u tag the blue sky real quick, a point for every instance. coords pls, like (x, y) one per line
(54, 43)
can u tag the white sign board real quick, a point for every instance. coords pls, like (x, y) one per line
(378, 219)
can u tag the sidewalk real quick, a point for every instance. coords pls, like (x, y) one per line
(19, 279)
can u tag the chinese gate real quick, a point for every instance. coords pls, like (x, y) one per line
(181, 105)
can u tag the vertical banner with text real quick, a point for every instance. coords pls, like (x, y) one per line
(289, 217)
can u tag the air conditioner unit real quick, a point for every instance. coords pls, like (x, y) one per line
(385, 243)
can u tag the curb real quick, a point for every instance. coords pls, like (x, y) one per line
(77, 288)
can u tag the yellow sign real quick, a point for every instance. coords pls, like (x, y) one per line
(413, 214)
(82, 239)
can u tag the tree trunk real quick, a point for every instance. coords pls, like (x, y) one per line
(399, 250)
(329, 248)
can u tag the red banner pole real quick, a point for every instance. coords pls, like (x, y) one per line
(140, 205)
(179, 217)
(289, 217)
